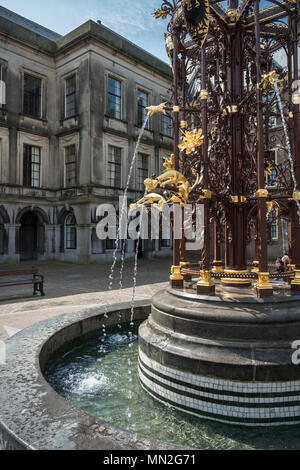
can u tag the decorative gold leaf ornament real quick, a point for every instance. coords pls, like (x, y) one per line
(191, 140)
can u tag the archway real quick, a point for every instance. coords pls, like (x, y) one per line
(32, 234)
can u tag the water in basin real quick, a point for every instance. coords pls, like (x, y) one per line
(102, 379)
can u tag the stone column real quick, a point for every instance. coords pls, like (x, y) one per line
(56, 240)
(84, 242)
(49, 241)
(13, 250)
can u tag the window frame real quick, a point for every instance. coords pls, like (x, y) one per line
(140, 184)
(74, 162)
(109, 163)
(3, 78)
(66, 232)
(163, 117)
(146, 93)
(42, 95)
(30, 165)
(120, 81)
(66, 78)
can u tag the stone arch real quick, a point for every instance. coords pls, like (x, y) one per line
(41, 214)
(4, 217)
(31, 236)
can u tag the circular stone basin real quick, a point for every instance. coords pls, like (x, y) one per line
(34, 416)
(102, 379)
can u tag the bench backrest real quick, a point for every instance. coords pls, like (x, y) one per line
(18, 272)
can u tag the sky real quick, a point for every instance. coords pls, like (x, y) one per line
(130, 18)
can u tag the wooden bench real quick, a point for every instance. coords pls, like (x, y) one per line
(37, 279)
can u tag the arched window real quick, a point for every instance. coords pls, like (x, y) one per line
(70, 232)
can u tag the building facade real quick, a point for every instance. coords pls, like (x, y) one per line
(71, 111)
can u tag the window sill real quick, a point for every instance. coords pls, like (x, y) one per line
(45, 121)
(115, 119)
(75, 116)
(146, 129)
(168, 136)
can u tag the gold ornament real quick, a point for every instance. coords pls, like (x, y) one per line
(169, 164)
(262, 193)
(153, 199)
(206, 194)
(191, 140)
(271, 205)
(160, 108)
(176, 273)
(205, 279)
(266, 80)
(263, 281)
(160, 13)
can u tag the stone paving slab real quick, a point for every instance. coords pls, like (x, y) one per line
(70, 287)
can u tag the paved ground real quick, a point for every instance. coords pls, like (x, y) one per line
(70, 287)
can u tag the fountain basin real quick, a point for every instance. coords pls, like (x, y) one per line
(32, 415)
(228, 360)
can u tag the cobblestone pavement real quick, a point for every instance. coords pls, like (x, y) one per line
(70, 287)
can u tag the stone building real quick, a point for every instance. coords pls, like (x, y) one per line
(70, 113)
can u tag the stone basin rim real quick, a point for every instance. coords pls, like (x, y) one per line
(51, 422)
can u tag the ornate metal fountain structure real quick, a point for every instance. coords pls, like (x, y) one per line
(222, 356)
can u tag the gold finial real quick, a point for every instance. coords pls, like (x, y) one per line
(160, 13)
(169, 163)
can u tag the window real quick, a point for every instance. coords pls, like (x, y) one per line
(273, 220)
(70, 232)
(143, 100)
(271, 174)
(32, 166)
(70, 166)
(32, 96)
(142, 170)
(2, 87)
(166, 125)
(114, 166)
(114, 98)
(70, 97)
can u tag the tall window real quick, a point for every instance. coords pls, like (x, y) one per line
(142, 170)
(32, 96)
(70, 232)
(143, 102)
(70, 97)
(271, 175)
(32, 166)
(114, 166)
(70, 166)
(114, 98)
(166, 125)
(2, 87)
(273, 220)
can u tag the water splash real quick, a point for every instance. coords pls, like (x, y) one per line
(111, 276)
(288, 144)
(118, 235)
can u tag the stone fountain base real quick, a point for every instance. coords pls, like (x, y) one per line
(223, 358)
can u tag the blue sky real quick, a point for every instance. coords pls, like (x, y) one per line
(130, 18)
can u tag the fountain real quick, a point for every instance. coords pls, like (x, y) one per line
(220, 347)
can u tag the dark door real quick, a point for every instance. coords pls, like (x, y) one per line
(29, 237)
